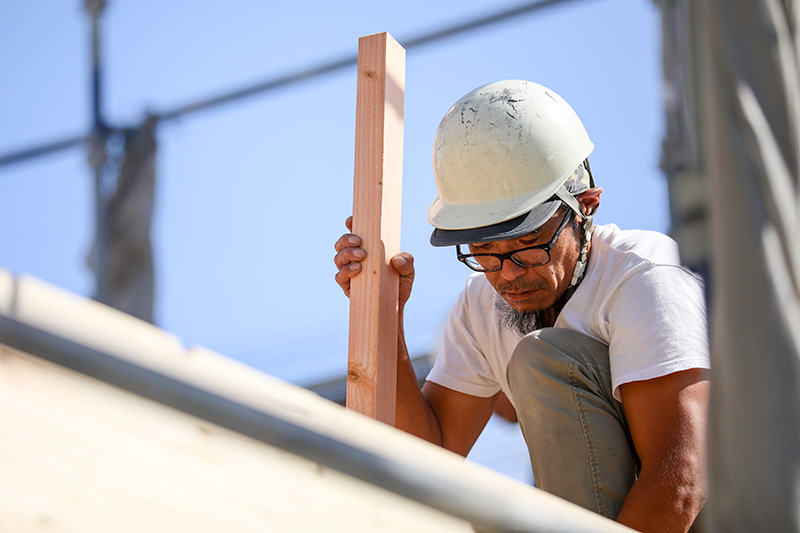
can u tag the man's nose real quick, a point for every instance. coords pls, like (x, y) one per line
(511, 271)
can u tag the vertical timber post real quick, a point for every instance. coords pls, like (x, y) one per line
(377, 192)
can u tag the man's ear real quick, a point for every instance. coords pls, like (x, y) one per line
(590, 200)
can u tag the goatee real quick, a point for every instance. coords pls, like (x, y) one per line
(517, 321)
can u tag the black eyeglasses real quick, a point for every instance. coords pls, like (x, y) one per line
(529, 257)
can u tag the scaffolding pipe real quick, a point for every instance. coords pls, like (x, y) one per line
(352, 60)
(98, 158)
(298, 76)
(44, 149)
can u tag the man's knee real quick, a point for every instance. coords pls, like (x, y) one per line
(526, 362)
(560, 344)
(538, 359)
(549, 358)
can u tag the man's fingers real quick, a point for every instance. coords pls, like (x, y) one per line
(403, 263)
(348, 240)
(349, 256)
(344, 275)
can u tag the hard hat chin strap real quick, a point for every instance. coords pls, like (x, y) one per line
(586, 235)
(570, 200)
(580, 265)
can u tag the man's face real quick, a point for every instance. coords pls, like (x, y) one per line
(529, 289)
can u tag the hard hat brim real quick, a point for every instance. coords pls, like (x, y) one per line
(509, 229)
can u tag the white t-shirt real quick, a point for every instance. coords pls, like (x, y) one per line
(635, 297)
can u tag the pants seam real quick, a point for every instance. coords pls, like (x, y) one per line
(587, 436)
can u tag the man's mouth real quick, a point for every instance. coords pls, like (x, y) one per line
(518, 296)
(518, 287)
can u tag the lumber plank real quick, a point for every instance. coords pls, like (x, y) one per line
(79, 455)
(83, 453)
(377, 191)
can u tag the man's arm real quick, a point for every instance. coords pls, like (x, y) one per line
(667, 419)
(437, 414)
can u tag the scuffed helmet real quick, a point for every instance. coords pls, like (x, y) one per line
(504, 150)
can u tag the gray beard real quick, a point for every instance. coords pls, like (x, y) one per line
(522, 323)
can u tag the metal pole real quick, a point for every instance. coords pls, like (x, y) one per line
(278, 82)
(351, 60)
(98, 158)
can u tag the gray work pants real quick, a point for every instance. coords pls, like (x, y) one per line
(577, 434)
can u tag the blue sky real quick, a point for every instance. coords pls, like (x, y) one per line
(251, 196)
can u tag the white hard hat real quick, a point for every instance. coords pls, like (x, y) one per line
(500, 155)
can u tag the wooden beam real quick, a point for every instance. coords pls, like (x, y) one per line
(372, 355)
(80, 455)
(104, 416)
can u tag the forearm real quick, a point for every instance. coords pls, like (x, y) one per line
(413, 413)
(667, 417)
(664, 505)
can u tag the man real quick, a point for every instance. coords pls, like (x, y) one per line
(597, 335)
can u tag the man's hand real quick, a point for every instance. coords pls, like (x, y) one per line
(349, 256)
(439, 415)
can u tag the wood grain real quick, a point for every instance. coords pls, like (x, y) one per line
(372, 354)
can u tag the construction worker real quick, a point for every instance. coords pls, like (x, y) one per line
(597, 335)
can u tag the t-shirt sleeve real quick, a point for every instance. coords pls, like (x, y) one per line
(657, 324)
(461, 364)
